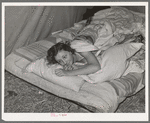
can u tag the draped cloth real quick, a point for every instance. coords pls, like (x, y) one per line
(27, 24)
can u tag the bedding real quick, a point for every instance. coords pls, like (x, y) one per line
(105, 96)
(114, 63)
(108, 27)
(41, 68)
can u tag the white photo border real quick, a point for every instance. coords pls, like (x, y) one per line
(75, 116)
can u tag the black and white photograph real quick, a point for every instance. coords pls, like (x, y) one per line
(75, 61)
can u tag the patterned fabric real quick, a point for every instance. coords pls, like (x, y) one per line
(34, 51)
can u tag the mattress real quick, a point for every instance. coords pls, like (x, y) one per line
(104, 97)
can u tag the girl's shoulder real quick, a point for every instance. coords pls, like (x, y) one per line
(78, 56)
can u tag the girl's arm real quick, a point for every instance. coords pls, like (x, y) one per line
(92, 66)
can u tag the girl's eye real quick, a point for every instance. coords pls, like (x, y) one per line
(64, 57)
(60, 62)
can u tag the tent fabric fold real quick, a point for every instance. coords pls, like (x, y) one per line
(28, 24)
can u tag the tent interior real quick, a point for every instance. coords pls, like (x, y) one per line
(25, 25)
(28, 24)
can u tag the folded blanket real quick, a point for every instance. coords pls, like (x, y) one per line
(108, 27)
(123, 21)
(111, 93)
(114, 63)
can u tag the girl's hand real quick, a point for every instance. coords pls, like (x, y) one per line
(61, 72)
(67, 67)
(74, 67)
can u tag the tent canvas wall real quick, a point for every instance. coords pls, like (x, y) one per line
(27, 24)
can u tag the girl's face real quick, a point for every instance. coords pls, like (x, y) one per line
(64, 57)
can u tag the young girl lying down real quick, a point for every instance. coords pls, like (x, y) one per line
(81, 45)
(66, 56)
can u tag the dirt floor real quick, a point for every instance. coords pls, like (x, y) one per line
(21, 96)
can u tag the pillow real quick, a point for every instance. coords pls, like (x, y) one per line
(40, 68)
(113, 62)
(83, 46)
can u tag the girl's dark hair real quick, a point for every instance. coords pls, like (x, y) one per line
(52, 52)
